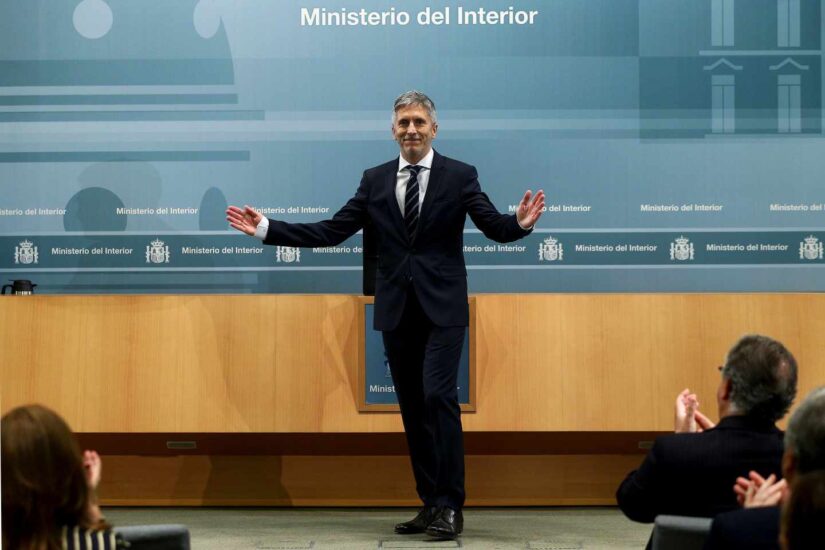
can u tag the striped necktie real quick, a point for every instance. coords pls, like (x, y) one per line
(411, 206)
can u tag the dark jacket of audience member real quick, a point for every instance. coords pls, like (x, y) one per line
(46, 490)
(804, 456)
(745, 529)
(692, 474)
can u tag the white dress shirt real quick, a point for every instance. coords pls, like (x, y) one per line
(403, 176)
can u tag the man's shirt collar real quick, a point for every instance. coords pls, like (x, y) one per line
(426, 162)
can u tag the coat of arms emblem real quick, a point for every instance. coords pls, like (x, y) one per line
(810, 249)
(551, 250)
(26, 253)
(287, 254)
(681, 249)
(157, 252)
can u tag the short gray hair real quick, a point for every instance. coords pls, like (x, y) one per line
(762, 373)
(414, 97)
(805, 436)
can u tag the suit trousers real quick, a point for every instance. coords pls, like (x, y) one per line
(424, 362)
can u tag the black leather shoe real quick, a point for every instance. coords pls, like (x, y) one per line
(419, 523)
(447, 525)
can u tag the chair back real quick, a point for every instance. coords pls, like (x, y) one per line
(680, 533)
(155, 537)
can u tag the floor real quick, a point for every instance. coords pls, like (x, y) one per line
(348, 528)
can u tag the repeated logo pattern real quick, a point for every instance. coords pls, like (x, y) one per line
(157, 252)
(26, 253)
(681, 249)
(551, 250)
(287, 254)
(810, 249)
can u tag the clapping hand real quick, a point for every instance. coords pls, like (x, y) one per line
(685, 412)
(244, 219)
(702, 421)
(757, 491)
(687, 418)
(92, 467)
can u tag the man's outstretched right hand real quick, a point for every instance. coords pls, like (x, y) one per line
(244, 219)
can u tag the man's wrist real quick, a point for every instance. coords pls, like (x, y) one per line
(263, 227)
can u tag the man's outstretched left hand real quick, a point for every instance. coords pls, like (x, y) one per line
(530, 209)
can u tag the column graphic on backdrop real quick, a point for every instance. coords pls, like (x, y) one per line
(763, 71)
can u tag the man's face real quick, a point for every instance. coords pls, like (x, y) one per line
(414, 131)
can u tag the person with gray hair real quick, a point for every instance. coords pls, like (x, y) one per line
(416, 206)
(690, 473)
(413, 98)
(757, 525)
(805, 436)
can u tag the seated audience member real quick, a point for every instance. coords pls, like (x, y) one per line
(803, 513)
(691, 472)
(49, 486)
(757, 525)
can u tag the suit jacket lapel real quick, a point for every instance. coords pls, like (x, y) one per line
(436, 175)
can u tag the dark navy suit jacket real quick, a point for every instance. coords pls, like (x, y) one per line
(693, 474)
(434, 261)
(745, 529)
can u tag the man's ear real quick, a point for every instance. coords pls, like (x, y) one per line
(435, 129)
(726, 389)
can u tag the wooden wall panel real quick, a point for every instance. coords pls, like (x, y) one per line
(498, 480)
(616, 362)
(287, 363)
(591, 366)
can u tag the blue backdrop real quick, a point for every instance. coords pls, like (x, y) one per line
(679, 143)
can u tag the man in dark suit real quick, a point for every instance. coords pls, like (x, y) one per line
(417, 205)
(745, 529)
(692, 473)
(757, 524)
